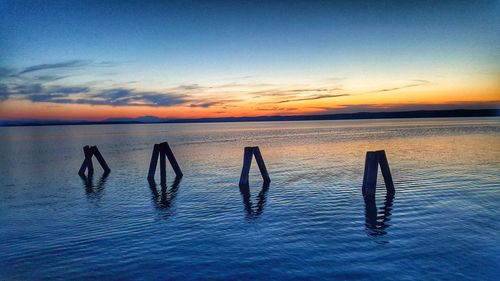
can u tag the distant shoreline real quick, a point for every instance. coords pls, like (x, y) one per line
(341, 116)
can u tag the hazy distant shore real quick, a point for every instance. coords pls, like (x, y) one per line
(342, 116)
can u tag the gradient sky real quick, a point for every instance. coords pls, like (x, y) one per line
(106, 59)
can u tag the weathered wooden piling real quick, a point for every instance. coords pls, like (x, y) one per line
(87, 162)
(163, 151)
(372, 161)
(249, 152)
(95, 151)
(154, 161)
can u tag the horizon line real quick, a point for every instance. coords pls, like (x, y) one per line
(443, 113)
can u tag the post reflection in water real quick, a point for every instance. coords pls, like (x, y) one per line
(252, 212)
(92, 190)
(377, 222)
(163, 199)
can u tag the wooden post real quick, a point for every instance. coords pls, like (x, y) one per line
(163, 166)
(154, 161)
(173, 161)
(247, 162)
(101, 160)
(249, 152)
(370, 175)
(260, 163)
(373, 160)
(386, 172)
(87, 162)
(163, 150)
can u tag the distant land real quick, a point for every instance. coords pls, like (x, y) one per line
(343, 116)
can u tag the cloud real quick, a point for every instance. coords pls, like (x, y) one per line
(293, 93)
(47, 66)
(67, 90)
(190, 87)
(316, 90)
(112, 97)
(417, 83)
(351, 108)
(41, 88)
(317, 97)
(205, 103)
(4, 94)
(278, 109)
(5, 72)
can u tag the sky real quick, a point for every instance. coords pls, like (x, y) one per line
(93, 60)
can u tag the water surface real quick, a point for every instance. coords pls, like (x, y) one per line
(310, 223)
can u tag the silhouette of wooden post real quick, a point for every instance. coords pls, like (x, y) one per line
(386, 172)
(249, 152)
(163, 165)
(87, 162)
(260, 163)
(247, 162)
(173, 162)
(370, 176)
(372, 161)
(95, 151)
(163, 151)
(154, 161)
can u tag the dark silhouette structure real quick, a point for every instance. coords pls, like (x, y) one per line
(161, 151)
(373, 159)
(87, 162)
(251, 151)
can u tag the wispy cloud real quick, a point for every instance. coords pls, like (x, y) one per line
(417, 83)
(59, 65)
(351, 108)
(112, 97)
(206, 103)
(288, 92)
(317, 97)
(41, 87)
(4, 93)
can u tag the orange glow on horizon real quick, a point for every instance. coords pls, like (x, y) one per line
(258, 101)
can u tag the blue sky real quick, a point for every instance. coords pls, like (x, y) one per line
(158, 46)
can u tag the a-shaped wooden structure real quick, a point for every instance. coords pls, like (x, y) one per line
(87, 162)
(161, 150)
(373, 159)
(251, 151)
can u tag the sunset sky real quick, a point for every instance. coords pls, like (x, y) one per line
(107, 59)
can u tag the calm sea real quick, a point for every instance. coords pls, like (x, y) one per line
(311, 223)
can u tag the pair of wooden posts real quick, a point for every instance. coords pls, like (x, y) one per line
(249, 153)
(90, 151)
(373, 160)
(161, 151)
